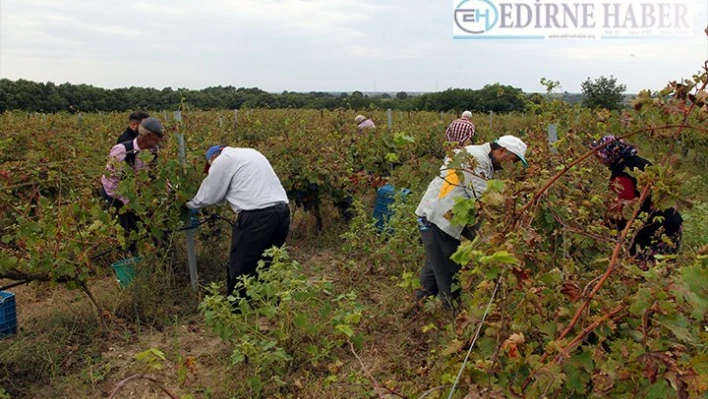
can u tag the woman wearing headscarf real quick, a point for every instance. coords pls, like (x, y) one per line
(362, 123)
(621, 158)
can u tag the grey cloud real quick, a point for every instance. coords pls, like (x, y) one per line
(302, 45)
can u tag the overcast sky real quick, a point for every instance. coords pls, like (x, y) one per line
(304, 45)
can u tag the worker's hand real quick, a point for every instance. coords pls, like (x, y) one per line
(193, 217)
(185, 212)
(190, 216)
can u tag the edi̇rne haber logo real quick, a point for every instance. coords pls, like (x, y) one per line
(583, 19)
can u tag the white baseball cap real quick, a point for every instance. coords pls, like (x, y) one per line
(359, 118)
(467, 115)
(515, 145)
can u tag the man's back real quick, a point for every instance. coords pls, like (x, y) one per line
(366, 124)
(460, 131)
(440, 196)
(128, 135)
(253, 183)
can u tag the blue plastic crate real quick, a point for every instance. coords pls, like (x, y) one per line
(8, 314)
(382, 208)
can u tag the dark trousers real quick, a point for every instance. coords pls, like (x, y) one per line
(439, 271)
(253, 233)
(128, 220)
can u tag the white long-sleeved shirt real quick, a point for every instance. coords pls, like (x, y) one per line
(439, 199)
(244, 178)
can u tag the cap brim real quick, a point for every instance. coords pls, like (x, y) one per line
(523, 160)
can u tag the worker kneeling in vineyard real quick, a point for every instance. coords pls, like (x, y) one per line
(363, 123)
(621, 158)
(244, 178)
(440, 236)
(124, 156)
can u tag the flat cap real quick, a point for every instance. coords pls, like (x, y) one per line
(153, 125)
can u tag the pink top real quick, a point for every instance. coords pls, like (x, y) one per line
(365, 124)
(116, 158)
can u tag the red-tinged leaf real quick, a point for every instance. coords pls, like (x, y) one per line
(650, 370)
(571, 290)
(523, 276)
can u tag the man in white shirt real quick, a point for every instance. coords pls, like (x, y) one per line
(244, 178)
(440, 236)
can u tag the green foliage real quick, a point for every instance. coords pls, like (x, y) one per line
(464, 212)
(393, 251)
(55, 222)
(696, 231)
(289, 320)
(153, 359)
(550, 85)
(547, 258)
(603, 92)
(48, 97)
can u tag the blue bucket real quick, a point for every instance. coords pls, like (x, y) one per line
(386, 196)
(8, 314)
(125, 270)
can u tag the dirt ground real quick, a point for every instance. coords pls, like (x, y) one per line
(63, 351)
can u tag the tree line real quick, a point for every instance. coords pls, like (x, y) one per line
(48, 97)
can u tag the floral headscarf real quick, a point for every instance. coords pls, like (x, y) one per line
(614, 152)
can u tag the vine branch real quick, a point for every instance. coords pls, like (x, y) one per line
(616, 252)
(134, 377)
(377, 386)
(585, 156)
(587, 331)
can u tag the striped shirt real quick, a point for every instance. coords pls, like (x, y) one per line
(460, 131)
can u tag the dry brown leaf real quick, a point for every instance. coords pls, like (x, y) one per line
(523, 276)
(571, 290)
(334, 367)
(650, 370)
(512, 343)
(602, 383)
(461, 322)
(263, 324)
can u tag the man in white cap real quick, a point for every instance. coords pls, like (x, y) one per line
(461, 131)
(363, 123)
(440, 236)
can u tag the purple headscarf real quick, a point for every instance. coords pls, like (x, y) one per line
(614, 152)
